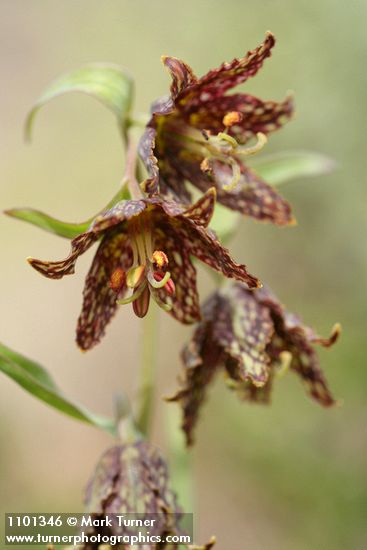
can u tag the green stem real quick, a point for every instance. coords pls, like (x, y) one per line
(180, 461)
(148, 370)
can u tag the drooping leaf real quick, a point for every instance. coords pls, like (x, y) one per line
(37, 381)
(109, 84)
(60, 228)
(282, 167)
(48, 223)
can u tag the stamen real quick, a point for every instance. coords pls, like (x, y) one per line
(139, 239)
(166, 306)
(148, 240)
(133, 296)
(231, 140)
(135, 276)
(117, 280)
(236, 174)
(160, 259)
(234, 117)
(158, 284)
(246, 151)
(135, 252)
(205, 166)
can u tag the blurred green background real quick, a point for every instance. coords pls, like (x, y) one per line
(287, 477)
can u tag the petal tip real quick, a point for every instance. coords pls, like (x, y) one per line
(212, 191)
(335, 333)
(165, 59)
(269, 37)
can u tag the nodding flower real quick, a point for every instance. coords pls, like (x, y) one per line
(255, 341)
(145, 250)
(200, 135)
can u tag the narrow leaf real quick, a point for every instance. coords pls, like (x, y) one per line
(31, 367)
(36, 380)
(60, 228)
(48, 223)
(109, 84)
(282, 167)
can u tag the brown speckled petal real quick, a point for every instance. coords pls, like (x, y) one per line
(257, 115)
(202, 211)
(298, 339)
(146, 152)
(247, 391)
(185, 300)
(203, 244)
(217, 81)
(57, 270)
(99, 300)
(182, 75)
(122, 211)
(243, 328)
(201, 359)
(129, 478)
(252, 196)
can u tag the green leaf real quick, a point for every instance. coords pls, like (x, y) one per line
(46, 222)
(282, 167)
(109, 84)
(36, 380)
(62, 229)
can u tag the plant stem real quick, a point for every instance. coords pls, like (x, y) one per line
(180, 461)
(131, 170)
(148, 370)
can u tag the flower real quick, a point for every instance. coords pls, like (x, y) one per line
(131, 483)
(132, 478)
(145, 249)
(253, 338)
(200, 135)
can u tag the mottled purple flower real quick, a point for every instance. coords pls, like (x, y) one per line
(251, 336)
(199, 134)
(145, 249)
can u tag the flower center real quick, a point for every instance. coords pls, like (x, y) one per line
(149, 270)
(220, 147)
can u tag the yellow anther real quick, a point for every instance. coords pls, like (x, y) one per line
(117, 279)
(234, 117)
(205, 165)
(160, 259)
(135, 276)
